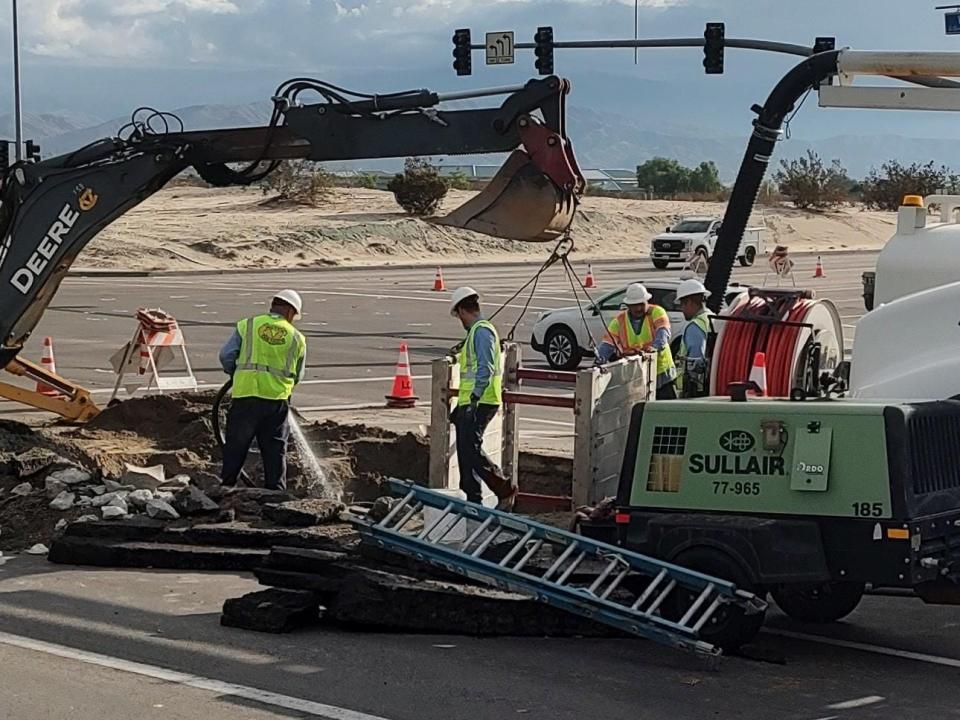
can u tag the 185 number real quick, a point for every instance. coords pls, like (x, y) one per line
(862, 509)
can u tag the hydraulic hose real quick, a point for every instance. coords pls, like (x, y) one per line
(766, 131)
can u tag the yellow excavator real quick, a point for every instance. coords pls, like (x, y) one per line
(50, 209)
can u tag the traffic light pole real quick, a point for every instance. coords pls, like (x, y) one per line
(17, 104)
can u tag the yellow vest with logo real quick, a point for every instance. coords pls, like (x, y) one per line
(270, 353)
(620, 334)
(493, 393)
(702, 321)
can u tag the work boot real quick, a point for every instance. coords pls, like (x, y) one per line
(505, 491)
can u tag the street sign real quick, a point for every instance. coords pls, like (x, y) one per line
(500, 48)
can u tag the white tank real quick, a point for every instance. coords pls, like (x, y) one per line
(908, 348)
(921, 254)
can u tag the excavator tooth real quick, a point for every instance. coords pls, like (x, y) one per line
(519, 203)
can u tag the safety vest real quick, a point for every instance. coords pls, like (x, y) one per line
(493, 393)
(270, 353)
(620, 333)
(702, 321)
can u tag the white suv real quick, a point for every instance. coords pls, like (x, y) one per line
(564, 340)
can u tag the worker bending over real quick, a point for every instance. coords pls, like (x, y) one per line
(641, 327)
(478, 401)
(266, 357)
(692, 359)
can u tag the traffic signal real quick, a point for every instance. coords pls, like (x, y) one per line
(32, 151)
(462, 62)
(713, 48)
(544, 50)
(823, 44)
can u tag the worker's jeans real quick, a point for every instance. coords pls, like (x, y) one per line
(667, 391)
(473, 461)
(265, 420)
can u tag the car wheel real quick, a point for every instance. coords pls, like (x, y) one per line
(748, 257)
(562, 349)
(661, 264)
(822, 603)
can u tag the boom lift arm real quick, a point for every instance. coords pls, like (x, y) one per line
(50, 210)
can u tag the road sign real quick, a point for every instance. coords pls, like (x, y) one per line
(500, 48)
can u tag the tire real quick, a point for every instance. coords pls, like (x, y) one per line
(561, 348)
(824, 603)
(730, 627)
(661, 264)
(748, 258)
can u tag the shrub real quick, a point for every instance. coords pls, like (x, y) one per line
(459, 180)
(808, 183)
(884, 189)
(419, 189)
(298, 181)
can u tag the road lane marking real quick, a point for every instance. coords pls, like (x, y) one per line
(264, 697)
(859, 702)
(329, 381)
(867, 647)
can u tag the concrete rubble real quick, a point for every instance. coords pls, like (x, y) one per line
(162, 510)
(63, 501)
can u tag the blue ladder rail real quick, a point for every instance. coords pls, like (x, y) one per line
(692, 596)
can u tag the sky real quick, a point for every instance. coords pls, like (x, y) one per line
(100, 57)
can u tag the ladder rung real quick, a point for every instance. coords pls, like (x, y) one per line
(696, 604)
(486, 543)
(708, 614)
(516, 548)
(661, 597)
(559, 561)
(476, 533)
(604, 575)
(648, 591)
(573, 566)
(396, 509)
(413, 510)
(526, 558)
(425, 533)
(616, 583)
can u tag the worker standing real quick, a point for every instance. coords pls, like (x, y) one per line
(266, 357)
(692, 359)
(479, 399)
(641, 327)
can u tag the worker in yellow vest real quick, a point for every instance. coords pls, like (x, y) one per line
(479, 398)
(641, 327)
(692, 380)
(266, 357)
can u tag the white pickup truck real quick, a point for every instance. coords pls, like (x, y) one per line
(695, 234)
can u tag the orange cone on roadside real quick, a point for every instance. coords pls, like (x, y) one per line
(48, 363)
(438, 285)
(402, 395)
(589, 282)
(758, 373)
(819, 273)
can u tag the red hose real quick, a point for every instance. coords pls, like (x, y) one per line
(742, 340)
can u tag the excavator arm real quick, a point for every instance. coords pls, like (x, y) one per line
(50, 210)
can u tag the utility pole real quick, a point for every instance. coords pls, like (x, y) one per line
(18, 108)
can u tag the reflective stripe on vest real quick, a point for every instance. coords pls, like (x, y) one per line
(493, 393)
(702, 321)
(626, 339)
(267, 369)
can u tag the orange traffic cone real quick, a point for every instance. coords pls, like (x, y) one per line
(438, 285)
(588, 281)
(819, 273)
(402, 395)
(48, 363)
(758, 373)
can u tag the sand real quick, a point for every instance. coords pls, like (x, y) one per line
(189, 228)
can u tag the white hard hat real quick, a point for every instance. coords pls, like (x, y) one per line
(691, 287)
(291, 298)
(636, 294)
(459, 295)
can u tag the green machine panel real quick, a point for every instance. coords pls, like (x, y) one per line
(763, 456)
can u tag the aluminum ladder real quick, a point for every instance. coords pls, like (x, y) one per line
(696, 597)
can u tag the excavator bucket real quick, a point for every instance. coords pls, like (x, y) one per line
(519, 203)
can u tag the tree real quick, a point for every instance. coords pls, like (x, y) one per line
(705, 178)
(665, 176)
(420, 188)
(298, 181)
(808, 183)
(884, 189)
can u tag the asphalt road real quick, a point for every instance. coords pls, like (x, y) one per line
(90, 643)
(354, 320)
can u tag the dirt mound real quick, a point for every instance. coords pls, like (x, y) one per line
(173, 421)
